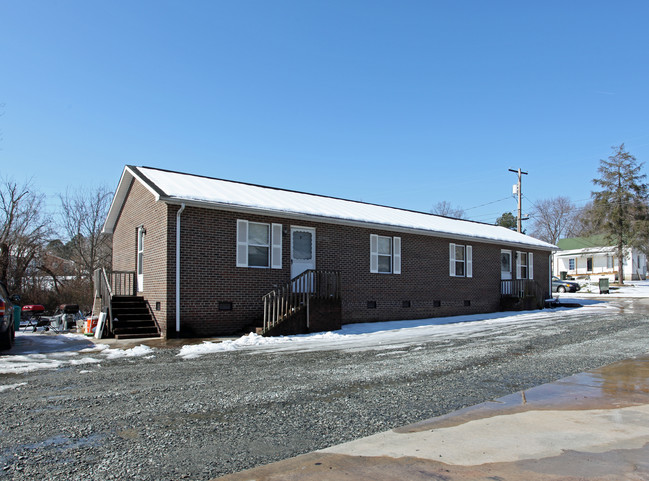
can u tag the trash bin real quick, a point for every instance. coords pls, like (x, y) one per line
(603, 285)
(17, 318)
(563, 275)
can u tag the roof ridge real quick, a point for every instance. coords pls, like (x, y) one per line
(300, 192)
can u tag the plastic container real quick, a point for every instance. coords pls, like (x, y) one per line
(91, 324)
(17, 311)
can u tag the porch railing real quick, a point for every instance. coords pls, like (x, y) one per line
(521, 288)
(289, 299)
(109, 284)
(103, 295)
(123, 283)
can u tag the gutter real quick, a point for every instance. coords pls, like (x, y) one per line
(357, 223)
(180, 211)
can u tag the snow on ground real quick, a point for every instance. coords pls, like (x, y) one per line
(7, 387)
(591, 289)
(46, 350)
(392, 335)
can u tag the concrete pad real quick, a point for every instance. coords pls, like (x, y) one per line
(591, 426)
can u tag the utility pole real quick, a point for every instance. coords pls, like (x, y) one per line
(520, 195)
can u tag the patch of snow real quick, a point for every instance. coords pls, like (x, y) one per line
(590, 288)
(27, 363)
(381, 336)
(35, 351)
(7, 387)
(137, 351)
(84, 361)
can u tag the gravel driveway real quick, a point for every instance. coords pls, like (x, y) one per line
(168, 418)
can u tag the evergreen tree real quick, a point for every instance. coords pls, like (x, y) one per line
(508, 220)
(620, 208)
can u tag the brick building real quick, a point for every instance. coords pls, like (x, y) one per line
(205, 251)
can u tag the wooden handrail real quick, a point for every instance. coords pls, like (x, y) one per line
(123, 283)
(113, 283)
(521, 288)
(289, 299)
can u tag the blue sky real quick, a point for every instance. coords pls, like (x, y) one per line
(399, 103)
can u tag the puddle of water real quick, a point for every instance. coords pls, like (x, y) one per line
(62, 443)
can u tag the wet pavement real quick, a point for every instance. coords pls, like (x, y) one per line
(590, 426)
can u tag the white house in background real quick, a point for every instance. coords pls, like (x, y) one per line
(586, 256)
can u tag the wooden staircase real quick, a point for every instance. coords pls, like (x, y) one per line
(310, 302)
(521, 294)
(132, 319)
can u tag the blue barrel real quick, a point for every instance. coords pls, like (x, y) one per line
(16, 318)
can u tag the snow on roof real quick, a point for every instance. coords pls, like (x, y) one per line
(176, 187)
(586, 251)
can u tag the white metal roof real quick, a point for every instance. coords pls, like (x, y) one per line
(177, 188)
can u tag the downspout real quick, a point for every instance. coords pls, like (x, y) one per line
(180, 211)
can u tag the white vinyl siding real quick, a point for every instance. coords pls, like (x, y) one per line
(259, 244)
(460, 260)
(385, 254)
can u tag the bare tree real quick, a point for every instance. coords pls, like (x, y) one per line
(23, 231)
(446, 209)
(585, 223)
(83, 215)
(553, 219)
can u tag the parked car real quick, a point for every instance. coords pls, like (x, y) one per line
(564, 286)
(7, 328)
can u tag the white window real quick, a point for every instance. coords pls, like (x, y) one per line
(259, 244)
(460, 260)
(385, 254)
(525, 265)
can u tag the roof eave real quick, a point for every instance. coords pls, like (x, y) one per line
(128, 174)
(348, 222)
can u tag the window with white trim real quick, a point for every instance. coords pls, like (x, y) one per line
(259, 244)
(571, 264)
(460, 260)
(385, 254)
(524, 265)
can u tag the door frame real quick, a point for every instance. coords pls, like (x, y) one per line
(506, 275)
(139, 258)
(312, 230)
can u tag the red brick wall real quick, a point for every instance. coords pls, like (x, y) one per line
(209, 274)
(141, 209)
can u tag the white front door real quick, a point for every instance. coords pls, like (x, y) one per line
(140, 259)
(302, 250)
(505, 264)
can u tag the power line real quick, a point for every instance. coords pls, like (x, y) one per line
(488, 203)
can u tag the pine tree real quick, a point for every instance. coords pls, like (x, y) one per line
(620, 208)
(508, 220)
